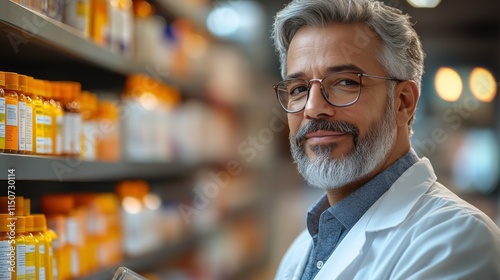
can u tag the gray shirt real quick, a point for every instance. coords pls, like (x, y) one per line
(328, 225)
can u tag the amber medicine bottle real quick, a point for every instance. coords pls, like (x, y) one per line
(52, 271)
(61, 251)
(31, 249)
(7, 247)
(57, 119)
(40, 226)
(88, 110)
(20, 248)
(47, 114)
(72, 124)
(24, 83)
(58, 209)
(30, 117)
(11, 113)
(24, 116)
(108, 146)
(21, 117)
(39, 126)
(99, 25)
(32, 109)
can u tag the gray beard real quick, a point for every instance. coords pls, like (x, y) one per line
(367, 153)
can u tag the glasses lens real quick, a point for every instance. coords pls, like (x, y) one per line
(292, 94)
(342, 88)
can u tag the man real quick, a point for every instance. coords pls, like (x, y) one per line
(352, 71)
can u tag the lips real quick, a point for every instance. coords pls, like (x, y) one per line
(323, 136)
(323, 133)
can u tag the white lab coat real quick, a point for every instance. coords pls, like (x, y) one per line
(417, 230)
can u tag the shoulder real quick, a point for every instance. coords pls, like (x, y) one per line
(439, 205)
(445, 234)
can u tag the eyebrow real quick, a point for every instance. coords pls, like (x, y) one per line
(330, 70)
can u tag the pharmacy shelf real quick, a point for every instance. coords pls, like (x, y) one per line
(169, 252)
(34, 44)
(24, 26)
(68, 169)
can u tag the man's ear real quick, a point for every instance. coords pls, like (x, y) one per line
(406, 96)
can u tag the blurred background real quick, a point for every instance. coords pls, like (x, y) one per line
(180, 164)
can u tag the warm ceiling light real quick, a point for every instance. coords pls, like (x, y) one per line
(482, 84)
(424, 3)
(448, 84)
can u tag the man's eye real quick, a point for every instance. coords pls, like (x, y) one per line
(298, 90)
(348, 82)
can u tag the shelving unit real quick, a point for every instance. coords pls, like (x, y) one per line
(168, 252)
(31, 42)
(34, 44)
(24, 27)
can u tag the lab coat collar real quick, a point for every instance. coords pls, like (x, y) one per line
(395, 205)
(389, 211)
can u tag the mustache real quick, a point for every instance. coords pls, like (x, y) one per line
(322, 124)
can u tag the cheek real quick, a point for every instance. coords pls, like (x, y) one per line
(365, 115)
(294, 121)
(362, 119)
(366, 123)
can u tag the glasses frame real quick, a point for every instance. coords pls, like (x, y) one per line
(323, 92)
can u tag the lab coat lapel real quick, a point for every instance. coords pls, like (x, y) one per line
(296, 260)
(299, 268)
(399, 200)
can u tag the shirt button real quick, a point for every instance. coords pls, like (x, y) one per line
(319, 264)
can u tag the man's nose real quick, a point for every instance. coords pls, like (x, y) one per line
(316, 105)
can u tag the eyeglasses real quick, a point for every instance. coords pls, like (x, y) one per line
(340, 89)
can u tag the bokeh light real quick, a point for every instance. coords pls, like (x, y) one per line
(424, 3)
(482, 84)
(448, 84)
(476, 164)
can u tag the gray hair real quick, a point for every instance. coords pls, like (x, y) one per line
(401, 54)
